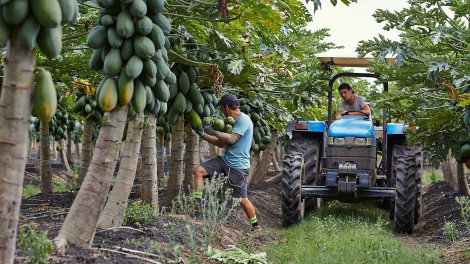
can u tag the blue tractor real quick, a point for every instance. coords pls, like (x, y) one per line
(352, 160)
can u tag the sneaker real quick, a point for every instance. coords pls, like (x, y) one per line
(256, 231)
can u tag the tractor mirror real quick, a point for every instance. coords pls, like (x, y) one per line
(377, 122)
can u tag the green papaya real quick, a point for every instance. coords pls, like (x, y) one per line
(163, 108)
(97, 37)
(106, 3)
(144, 25)
(113, 63)
(161, 21)
(47, 12)
(50, 41)
(67, 8)
(149, 68)
(170, 78)
(15, 12)
(148, 81)
(157, 36)
(44, 96)
(180, 103)
(5, 30)
(114, 40)
(155, 6)
(195, 95)
(173, 90)
(183, 82)
(134, 67)
(138, 8)
(125, 24)
(143, 46)
(139, 98)
(29, 31)
(96, 62)
(127, 49)
(161, 91)
(162, 70)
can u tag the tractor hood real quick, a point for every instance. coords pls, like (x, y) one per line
(352, 126)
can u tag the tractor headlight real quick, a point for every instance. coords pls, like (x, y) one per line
(339, 141)
(359, 141)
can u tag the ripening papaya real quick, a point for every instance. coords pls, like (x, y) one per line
(108, 96)
(44, 96)
(194, 119)
(125, 88)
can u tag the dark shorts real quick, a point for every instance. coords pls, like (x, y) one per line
(237, 178)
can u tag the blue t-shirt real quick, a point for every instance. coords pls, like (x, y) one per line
(237, 156)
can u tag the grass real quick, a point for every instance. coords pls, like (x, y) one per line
(346, 233)
(32, 189)
(432, 176)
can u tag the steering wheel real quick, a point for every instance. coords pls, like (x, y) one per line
(365, 114)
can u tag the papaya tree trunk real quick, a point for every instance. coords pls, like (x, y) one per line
(69, 146)
(115, 209)
(268, 154)
(63, 158)
(77, 150)
(38, 156)
(81, 221)
(275, 158)
(15, 110)
(191, 159)
(87, 151)
(449, 170)
(255, 161)
(175, 178)
(161, 156)
(149, 162)
(46, 167)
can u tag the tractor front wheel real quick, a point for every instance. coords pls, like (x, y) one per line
(293, 206)
(408, 170)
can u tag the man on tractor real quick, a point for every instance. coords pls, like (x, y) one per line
(351, 104)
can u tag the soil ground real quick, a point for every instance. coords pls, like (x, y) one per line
(47, 212)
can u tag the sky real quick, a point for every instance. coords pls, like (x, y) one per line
(350, 24)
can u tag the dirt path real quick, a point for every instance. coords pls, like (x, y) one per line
(439, 205)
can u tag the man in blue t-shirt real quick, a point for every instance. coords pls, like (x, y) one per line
(235, 163)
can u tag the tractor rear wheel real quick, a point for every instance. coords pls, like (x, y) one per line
(310, 148)
(407, 168)
(293, 205)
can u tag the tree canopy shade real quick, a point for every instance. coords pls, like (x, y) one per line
(431, 73)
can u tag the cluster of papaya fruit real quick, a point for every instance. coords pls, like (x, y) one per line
(86, 106)
(223, 125)
(261, 130)
(37, 21)
(186, 98)
(131, 46)
(60, 124)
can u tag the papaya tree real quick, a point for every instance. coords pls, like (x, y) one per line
(129, 46)
(116, 205)
(431, 74)
(32, 22)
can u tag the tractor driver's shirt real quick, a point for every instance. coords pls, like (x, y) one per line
(359, 102)
(237, 156)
